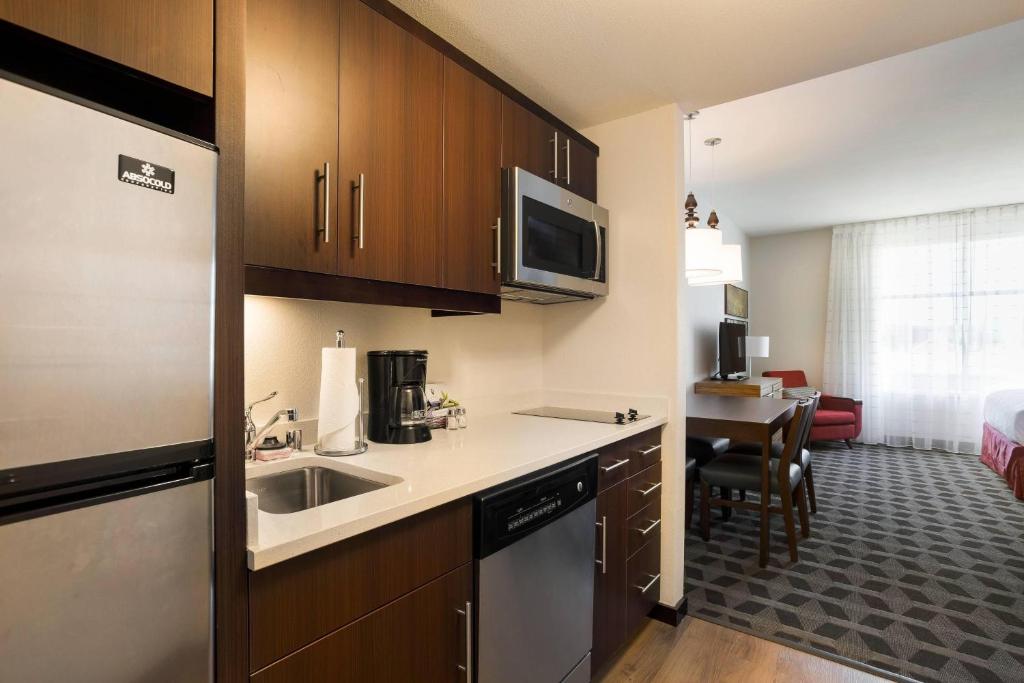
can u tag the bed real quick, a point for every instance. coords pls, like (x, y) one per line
(1002, 442)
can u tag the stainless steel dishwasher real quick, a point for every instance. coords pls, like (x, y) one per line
(534, 553)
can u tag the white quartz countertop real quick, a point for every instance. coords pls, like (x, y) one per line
(493, 449)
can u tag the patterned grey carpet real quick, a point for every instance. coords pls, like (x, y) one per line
(915, 566)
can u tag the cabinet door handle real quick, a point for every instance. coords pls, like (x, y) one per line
(604, 545)
(648, 451)
(652, 527)
(326, 177)
(468, 667)
(647, 492)
(554, 142)
(654, 580)
(497, 246)
(617, 465)
(361, 186)
(568, 164)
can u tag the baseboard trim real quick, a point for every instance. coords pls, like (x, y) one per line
(667, 614)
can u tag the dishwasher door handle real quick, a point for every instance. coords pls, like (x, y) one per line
(468, 667)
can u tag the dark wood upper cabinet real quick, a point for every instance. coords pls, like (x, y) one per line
(170, 40)
(580, 169)
(291, 136)
(533, 144)
(373, 158)
(472, 181)
(527, 140)
(391, 150)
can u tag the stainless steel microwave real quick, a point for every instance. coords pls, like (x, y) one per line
(553, 244)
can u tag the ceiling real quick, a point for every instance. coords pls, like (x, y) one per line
(591, 61)
(937, 129)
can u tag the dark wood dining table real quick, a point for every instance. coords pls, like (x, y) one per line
(743, 419)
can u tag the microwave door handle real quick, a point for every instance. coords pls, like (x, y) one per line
(599, 248)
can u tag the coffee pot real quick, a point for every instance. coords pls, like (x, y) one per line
(398, 399)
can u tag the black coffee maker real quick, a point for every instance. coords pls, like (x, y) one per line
(398, 398)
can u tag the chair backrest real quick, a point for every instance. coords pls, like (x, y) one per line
(790, 378)
(813, 401)
(794, 430)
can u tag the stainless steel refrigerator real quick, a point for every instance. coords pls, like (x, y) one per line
(106, 455)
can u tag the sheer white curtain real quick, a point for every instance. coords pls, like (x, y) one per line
(925, 318)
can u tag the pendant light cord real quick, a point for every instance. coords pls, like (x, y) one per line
(689, 145)
(713, 176)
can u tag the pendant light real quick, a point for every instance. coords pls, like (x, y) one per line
(730, 255)
(703, 245)
(732, 269)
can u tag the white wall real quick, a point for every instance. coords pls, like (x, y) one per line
(631, 342)
(707, 308)
(789, 299)
(475, 356)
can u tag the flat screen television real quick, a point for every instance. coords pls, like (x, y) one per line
(732, 349)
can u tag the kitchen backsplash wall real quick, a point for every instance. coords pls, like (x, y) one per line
(476, 356)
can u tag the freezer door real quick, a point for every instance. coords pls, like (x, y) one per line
(106, 283)
(110, 593)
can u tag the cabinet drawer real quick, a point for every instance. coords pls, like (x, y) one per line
(643, 572)
(643, 528)
(293, 603)
(644, 450)
(613, 465)
(642, 489)
(419, 637)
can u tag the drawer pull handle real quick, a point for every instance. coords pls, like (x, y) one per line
(468, 614)
(648, 451)
(654, 580)
(652, 527)
(617, 465)
(647, 492)
(604, 545)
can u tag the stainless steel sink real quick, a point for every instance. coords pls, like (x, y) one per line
(306, 487)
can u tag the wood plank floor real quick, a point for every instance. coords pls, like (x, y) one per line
(701, 652)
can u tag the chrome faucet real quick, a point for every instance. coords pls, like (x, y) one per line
(253, 435)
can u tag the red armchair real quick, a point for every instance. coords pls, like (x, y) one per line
(837, 419)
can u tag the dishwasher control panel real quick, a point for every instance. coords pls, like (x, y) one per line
(516, 509)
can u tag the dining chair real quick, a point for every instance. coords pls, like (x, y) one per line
(805, 459)
(744, 472)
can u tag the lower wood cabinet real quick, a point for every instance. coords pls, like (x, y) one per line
(301, 601)
(610, 575)
(419, 637)
(627, 580)
(643, 582)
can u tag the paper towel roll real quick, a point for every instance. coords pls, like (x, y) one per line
(339, 400)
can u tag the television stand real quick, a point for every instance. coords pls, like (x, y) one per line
(751, 387)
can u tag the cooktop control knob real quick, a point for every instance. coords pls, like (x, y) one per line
(619, 418)
(633, 414)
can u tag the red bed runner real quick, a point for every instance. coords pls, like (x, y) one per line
(1005, 457)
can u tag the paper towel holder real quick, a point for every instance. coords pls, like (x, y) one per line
(361, 444)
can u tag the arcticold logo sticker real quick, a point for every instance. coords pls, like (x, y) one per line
(145, 174)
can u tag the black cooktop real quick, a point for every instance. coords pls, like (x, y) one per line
(606, 417)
